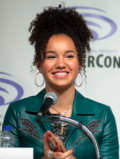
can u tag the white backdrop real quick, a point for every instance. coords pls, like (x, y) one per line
(16, 55)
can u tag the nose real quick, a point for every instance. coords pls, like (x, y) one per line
(60, 63)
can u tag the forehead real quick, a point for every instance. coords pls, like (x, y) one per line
(60, 41)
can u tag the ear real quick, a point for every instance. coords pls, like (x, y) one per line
(39, 66)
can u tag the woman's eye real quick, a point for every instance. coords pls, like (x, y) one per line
(51, 57)
(69, 56)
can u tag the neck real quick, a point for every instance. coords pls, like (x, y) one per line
(65, 97)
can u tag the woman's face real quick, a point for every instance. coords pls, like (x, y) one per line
(60, 66)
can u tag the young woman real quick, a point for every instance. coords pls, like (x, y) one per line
(61, 39)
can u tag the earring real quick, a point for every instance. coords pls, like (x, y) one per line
(36, 82)
(81, 81)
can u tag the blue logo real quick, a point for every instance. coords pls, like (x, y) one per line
(91, 24)
(19, 89)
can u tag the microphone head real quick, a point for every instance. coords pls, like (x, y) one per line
(51, 95)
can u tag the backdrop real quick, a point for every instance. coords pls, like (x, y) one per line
(16, 55)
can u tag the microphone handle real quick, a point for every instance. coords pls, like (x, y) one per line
(44, 108)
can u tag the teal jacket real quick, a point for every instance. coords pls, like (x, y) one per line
(97, 117)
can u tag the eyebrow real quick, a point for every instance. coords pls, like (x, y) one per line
(50, 52)
(68, 51)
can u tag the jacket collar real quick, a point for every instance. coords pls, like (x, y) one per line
(81, 107)
(35, 105)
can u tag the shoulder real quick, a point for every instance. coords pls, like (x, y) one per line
(23, 102)
(29, 102)
(101, 109)
(97, 107)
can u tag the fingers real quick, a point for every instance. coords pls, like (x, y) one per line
(61, 152)
(51, 138)
(46, 144)
(70, 157)
(60, 148)
(55, 141)
(47, 149)
(66, 155)
(56, 145)
(55, 154)
(59, 155)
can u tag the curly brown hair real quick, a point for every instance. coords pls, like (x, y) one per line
(60, 20)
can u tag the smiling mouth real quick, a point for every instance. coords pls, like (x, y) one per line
(60, 74)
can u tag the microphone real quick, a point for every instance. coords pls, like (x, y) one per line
(49, 99)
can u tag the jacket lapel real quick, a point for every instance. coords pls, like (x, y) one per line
(35, 107)
(80, 108)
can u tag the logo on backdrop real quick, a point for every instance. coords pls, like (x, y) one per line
(6, 82)
(102, 27)
(95, 22)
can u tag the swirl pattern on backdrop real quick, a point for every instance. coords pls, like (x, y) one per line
(111, 23)
(19, 89)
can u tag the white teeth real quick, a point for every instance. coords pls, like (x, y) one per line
(61, 73)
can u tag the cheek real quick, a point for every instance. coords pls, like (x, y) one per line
(47, 66)
(75, 66)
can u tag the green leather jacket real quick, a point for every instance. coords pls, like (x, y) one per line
(97, 117)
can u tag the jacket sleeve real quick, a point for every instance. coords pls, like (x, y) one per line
(11, 119)
(109, 146)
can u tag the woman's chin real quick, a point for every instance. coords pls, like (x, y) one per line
(62, 86)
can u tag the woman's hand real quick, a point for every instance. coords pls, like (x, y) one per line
(47, 149)
(59, 147)
(56, 142)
